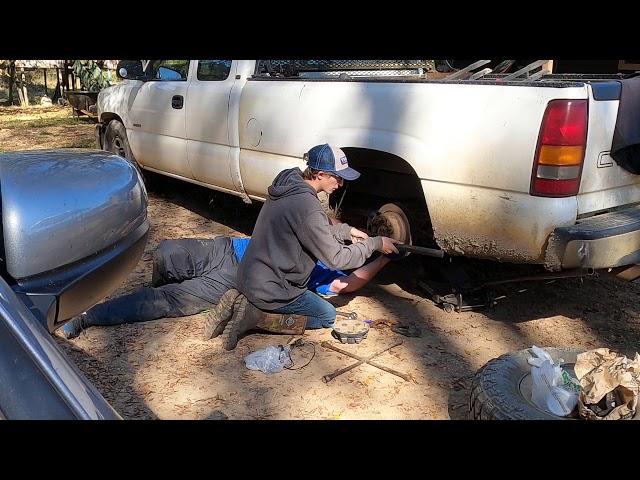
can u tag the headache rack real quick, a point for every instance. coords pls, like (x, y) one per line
(498, 71)
(336, 68)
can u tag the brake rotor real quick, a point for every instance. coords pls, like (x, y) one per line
(391, 221)
(350, 331)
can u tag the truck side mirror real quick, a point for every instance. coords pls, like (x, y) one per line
(130, 69)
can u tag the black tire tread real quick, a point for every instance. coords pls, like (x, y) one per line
(116, 127)
(230, 333)
(489, 398)
(216, 319)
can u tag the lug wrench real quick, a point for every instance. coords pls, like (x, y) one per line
(429, 252)
(361, 360)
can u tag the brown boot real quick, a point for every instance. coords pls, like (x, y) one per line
(283, 323)
(216, 319)
(245, 317)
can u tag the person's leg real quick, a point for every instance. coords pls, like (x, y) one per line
(319, 312)
(204, 268)
(167, 301)
(359, 277)
(247, 316)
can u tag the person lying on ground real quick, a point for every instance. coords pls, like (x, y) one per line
(189, 277)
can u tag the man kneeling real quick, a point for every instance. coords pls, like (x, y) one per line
(292, 233)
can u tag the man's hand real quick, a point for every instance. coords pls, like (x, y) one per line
(357, 235)
(388, 245)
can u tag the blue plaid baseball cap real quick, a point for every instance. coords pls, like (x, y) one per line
(330, 159)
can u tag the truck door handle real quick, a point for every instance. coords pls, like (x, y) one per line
(177, 101)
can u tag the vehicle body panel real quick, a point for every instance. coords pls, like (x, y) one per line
(87, 201)
(158, 133)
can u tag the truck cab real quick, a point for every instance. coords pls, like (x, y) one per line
(181, 120)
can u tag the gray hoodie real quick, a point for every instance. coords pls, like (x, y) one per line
(292, 232)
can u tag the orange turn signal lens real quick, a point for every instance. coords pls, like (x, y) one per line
(565, 155)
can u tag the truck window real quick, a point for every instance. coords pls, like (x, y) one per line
(213, 70)
(169, 70)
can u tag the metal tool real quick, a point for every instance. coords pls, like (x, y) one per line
(350, 331)
(430, 252)
(410, 330)
(462, 294)
(349, 315)
(361, 360)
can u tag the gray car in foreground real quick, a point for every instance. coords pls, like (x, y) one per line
(74, 224)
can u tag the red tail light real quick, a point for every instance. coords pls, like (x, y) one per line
(560, 153)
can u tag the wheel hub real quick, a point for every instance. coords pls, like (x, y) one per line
(119, 149)
(390, 221)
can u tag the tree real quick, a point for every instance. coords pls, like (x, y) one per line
(12, 79)
(90, 74)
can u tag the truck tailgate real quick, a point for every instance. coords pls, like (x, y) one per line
(604, 184)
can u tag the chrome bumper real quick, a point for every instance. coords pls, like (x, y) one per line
(603, 241)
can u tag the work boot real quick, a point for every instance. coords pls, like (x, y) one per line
(245, 317)
(73, 328)
(217, 318)
(282, 323)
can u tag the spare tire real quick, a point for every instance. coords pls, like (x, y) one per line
(501, 389)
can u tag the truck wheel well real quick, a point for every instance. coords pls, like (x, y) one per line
(386, 178)
(107, 117)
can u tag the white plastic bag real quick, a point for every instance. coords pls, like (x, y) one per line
(552, 389)
(269, 360)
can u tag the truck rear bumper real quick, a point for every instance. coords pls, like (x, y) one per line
(604, 241)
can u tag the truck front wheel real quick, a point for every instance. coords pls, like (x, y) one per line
(116, 141)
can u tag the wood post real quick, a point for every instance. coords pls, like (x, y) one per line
(65, 76)
(22, 89)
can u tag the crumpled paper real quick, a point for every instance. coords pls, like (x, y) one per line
(609, 376)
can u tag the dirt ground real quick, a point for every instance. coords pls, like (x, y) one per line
(164, 369)
(44, 127)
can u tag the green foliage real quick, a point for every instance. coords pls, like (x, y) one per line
(90, 74)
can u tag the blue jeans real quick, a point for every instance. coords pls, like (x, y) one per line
(319, 312)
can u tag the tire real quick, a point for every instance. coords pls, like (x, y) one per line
(116, 141)
(501, 389)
